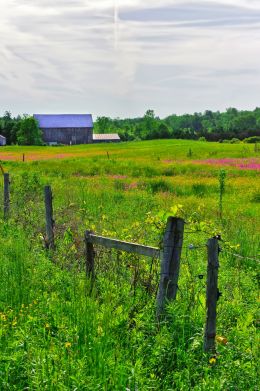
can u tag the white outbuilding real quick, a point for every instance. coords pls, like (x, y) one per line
(2, 141)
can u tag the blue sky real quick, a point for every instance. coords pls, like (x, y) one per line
(121, 57)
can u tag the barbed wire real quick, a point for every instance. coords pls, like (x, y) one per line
(249, 258)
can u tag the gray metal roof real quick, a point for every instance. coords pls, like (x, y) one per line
(64, 120)
(106, 136)
(3, 137)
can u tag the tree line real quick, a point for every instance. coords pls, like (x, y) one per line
(212, 126)
(22, 130)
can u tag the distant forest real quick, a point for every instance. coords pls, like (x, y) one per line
(232, 125)
(212, 126)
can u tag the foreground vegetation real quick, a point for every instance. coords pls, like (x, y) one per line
(60, 333)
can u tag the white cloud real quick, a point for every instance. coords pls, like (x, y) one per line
(118, 57)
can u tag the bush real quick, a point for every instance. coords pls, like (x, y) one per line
(28, 132)
(234, 140)
(202, 138)
(252, 140)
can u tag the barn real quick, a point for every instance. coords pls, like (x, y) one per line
(2, 141)
(66, 128)
(106, 138)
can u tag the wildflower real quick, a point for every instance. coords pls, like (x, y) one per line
(100, 330)
(67, 345)
(14, 322)
(3, 317)
(221, 340)
(212, 360)
(47, 326)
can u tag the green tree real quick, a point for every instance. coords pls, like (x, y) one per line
(28, 132)
(103, 125)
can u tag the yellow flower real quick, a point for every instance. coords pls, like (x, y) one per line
(67, 345)
(14, 323)
(3, 317)
(221, 340)
(212, 360)
(100, 330)
(47, 326)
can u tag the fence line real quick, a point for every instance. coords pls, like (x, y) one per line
(170, 256)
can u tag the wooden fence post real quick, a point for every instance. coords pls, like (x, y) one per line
(6, 196)
(90, 256)
(212, 295)
(170, 262)
(49, 217)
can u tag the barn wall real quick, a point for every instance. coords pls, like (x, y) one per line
(68, 135)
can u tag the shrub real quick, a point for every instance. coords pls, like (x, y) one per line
(252, 140)
(234, 140)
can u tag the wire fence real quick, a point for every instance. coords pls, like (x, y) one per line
(138, 275)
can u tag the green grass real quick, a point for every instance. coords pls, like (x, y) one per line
(59, 333)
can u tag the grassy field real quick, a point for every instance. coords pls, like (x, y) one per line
(58, 333)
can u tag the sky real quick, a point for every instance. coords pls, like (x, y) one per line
(119, 58)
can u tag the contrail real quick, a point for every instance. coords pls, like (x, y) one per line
(116, 12)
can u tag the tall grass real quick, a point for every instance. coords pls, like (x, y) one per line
(58, 333)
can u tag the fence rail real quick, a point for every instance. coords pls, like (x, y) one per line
(129, 247)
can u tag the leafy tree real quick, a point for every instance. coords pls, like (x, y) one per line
(103, 125)
(28, 132)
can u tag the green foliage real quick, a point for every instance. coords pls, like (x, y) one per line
(28, 132)
(8, 127)
(252, 140)
(211, 126)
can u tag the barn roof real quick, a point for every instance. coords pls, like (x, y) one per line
(2, 137)
(106, 136)
(64, 120)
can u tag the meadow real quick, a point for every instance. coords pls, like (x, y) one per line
(58, 332)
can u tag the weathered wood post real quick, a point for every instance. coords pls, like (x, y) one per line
(212, 295)
(6, 196)
(170, 262)
(90, 256)
(49, 217)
